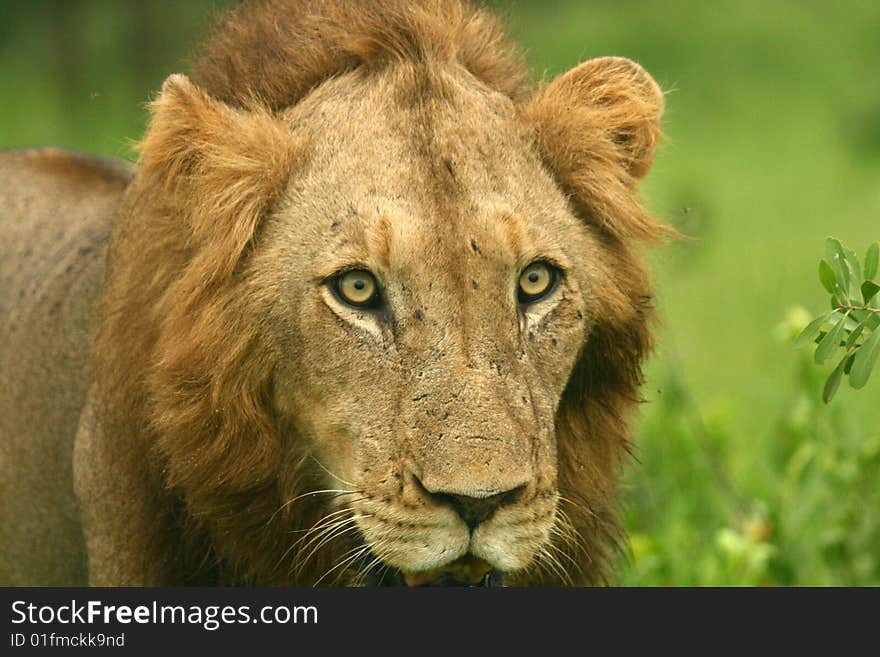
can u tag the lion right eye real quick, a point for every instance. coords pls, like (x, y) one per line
(357, 288)
(536, 282)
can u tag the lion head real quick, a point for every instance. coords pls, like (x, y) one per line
(373, 305)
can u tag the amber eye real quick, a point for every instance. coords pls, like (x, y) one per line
(535, 282)
(357, 288)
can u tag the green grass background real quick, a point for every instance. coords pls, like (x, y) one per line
(743, 476)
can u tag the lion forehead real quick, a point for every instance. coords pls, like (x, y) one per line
(431, 160)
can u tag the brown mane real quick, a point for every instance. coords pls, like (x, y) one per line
(278, 51)
(181, 371)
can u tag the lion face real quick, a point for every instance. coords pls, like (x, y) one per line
(429, 392)
(379, 318)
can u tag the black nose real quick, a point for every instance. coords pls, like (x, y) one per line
(476, 510)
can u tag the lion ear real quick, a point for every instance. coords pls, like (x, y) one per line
(219, 167)
(597, 126)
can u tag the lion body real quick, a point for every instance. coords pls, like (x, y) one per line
(239, 421)
(55, 210)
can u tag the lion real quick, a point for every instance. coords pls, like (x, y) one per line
(370, 310)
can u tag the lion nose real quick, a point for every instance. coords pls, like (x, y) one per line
(472, 509)
(477, 510)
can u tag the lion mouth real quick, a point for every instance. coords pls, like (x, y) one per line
(465, 572)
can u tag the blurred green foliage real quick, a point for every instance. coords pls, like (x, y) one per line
(743, 476)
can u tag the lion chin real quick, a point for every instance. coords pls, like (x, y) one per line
(467, 571)
(370, 310)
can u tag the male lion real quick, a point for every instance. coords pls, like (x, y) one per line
(371, 314)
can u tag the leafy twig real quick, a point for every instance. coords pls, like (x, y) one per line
(853, 317)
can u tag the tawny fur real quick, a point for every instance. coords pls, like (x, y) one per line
(279, 51)
(208, 386)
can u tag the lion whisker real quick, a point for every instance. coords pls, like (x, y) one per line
(321, 529)
(333, 535)
(335, 476)
(382, 572)
(374, 547)
(358, 551)
(326, 517)
(581, 507)
(563, 553)
(323, 525)
(366, 570)
(338, 492)
(320, 523)
(554, 565)
(564, 527)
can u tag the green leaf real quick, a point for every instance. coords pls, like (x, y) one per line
(810, 332)
(831, 245)
(850, 315)
(828, 345)
(826, 276)
(866, 358)
(858, 316)
(852, 262)
(869, 289)
(872, 258)
(833, 382)
(837, 259)
(854, 335)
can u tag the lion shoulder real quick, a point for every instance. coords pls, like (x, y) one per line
(55, 211)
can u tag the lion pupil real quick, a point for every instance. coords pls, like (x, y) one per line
(359, 285)
(533, 277)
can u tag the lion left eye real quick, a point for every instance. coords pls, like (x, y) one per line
(536, 281)
(357, 288)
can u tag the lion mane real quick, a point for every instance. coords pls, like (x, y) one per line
(184, 385)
